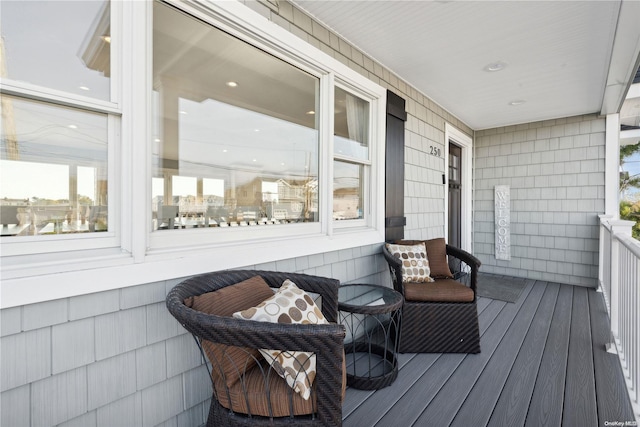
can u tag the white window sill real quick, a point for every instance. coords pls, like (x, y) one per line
(28, 280)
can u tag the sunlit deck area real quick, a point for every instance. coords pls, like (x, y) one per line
(543, 362)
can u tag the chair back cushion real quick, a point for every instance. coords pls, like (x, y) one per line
(415, 265)
(442, 290)
(436, 254)
(230, 362)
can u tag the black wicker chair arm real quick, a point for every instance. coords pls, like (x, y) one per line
(471, 261)
(464, 256)
(395, 266)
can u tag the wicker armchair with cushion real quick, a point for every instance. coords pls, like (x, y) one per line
(439, 313)
(262, 370)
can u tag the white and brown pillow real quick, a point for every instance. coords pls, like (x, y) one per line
(289, 304)
(415, 264)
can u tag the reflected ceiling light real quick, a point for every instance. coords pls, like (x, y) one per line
(517, 102)
(106, 38)
(224, 151)
(282, 164)
(495, 66)
(255, 160)
(183, 112)
(232, 84)
(256, 130)
(84, 87)
(72, 127)
(156, 140)
(311, 112)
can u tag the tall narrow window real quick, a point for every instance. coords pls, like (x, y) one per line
(53, 158)
(351, 155)
(237, 141)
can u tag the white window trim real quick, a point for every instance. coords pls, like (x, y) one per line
(133, 263)
(466, 143)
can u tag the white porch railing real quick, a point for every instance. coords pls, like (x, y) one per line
(619, 277)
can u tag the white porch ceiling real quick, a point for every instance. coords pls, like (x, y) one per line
(563, 58)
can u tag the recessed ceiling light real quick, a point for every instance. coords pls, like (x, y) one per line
(157, 140)
(225, 150)
(83, 87)
(232, 84)
(72, 127)
(517, 102)
(495, 66)
(183, 112)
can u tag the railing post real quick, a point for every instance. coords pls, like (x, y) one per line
(618, 227)
(604, 242)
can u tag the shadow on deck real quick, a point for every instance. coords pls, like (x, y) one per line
(543, 362)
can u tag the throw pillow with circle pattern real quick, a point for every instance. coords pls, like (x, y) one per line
(415, 264)
(289, 304)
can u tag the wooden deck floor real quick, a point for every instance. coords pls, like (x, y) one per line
(543, 363)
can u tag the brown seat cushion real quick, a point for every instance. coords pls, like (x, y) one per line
(249, 395)
(442, 290)
(229, 362)
(436, 254)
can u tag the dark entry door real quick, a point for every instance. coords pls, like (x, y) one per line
(455, 195)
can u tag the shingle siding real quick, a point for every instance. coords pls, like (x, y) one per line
(557, 193)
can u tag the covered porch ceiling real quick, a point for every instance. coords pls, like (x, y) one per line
(498, 63)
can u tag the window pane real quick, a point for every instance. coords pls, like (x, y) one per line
(53, 168)
(347, 190)
(232, 123)
(62, 45)
(351, 125)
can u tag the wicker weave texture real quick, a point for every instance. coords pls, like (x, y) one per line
(326, 341)
(439, 328)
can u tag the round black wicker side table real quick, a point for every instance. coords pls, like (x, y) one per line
(371, 316)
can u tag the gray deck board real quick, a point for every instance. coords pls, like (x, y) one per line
(580, 394)
(513, 403)
(543, 363)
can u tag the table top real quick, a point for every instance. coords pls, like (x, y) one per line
(368, 299)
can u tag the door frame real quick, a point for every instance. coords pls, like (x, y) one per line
(451, 134)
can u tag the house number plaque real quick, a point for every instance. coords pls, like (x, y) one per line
(503, 222)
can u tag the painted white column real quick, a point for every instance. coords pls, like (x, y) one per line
(612, 166)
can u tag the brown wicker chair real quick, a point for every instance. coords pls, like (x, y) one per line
(250, 392)
(439, 317)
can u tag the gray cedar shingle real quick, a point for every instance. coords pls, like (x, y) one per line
(26, 357)
(111, 379)
(59, 398)
(72, 345)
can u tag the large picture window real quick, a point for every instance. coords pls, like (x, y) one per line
(236, 139)
(157, 140)
(54, 151)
